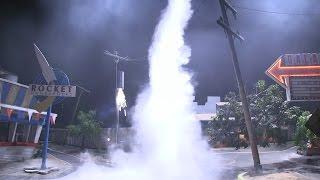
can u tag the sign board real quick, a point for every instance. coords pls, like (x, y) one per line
(314, 123)
(47, 71)
(304, 88)
(304, 59)
(299, 74)
(53, 90)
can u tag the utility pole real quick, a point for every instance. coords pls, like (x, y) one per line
(117, 59)
(224, 23)
(82, 90)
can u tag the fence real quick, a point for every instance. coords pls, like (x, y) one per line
(63, 137)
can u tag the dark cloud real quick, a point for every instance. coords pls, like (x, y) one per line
(267, 37)
(73, 35)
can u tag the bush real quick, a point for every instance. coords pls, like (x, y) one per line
(74, 130)
(303, 134)
(87, 126)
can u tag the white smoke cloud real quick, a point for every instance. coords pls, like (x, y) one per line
(170, 146)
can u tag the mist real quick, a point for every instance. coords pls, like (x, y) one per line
(168, 143)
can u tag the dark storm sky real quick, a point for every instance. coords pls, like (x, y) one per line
(74, 33)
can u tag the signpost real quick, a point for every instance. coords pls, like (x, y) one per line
(54, 87)
(53, 90)
(299, 74)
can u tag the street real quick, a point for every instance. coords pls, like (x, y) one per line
(233, 162)
(241, 159)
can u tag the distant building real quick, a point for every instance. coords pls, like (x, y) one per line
(206, 112)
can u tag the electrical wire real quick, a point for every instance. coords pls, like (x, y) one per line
(275, 12)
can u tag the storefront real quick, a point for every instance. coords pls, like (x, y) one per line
(19, 123)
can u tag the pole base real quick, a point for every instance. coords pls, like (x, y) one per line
(40, 171)
(258, 169)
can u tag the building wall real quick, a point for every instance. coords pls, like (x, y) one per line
(13, 93)
(208, 107)
(19, 125)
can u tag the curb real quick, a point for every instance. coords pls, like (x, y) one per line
(241, 176)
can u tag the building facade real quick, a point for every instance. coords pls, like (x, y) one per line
(19, 123)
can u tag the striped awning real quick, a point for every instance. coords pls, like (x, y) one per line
(16, 94)
(16, 99)
(9, 113)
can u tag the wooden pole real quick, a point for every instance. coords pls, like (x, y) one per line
(224, 22)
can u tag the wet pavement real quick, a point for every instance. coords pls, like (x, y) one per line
(304, 167)
(274, 160)
(15, 169)
(235, 162)
(241, 159)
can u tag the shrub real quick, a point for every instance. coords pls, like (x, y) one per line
(87, 126)
(303, 134)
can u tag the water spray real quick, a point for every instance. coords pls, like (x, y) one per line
(169, 141)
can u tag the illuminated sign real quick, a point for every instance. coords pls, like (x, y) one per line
(299, 74)
(304, 59)
(53, 90)
(304, 88)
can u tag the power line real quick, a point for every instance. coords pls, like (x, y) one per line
(119, 58)
(276, 12)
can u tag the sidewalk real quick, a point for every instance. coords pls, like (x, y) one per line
(16, 153)
(272, 147)
(99, 156)
(66, 158)
(281, 176)
(14, 170)
(302, 168)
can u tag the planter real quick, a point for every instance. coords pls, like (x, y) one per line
(312, 151)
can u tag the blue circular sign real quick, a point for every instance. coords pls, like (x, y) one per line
(62, 79)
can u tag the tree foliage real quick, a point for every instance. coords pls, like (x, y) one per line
(269, 111)
(232, 108)
(303, 134)
(269, 108)
(87, 126)
(228, 122)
